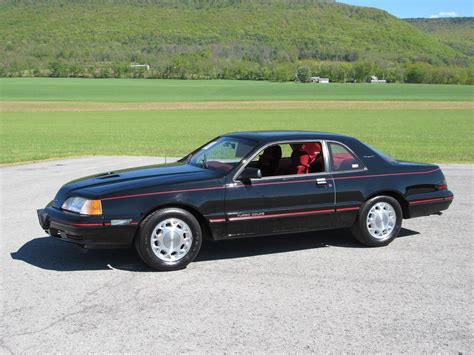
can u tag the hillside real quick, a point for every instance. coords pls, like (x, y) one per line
(259, 39)
(458, 32)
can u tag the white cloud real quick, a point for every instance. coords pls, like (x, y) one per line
(444, 14)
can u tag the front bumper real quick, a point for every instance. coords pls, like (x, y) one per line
(88, 232)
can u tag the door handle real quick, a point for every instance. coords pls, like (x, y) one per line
(321, 182)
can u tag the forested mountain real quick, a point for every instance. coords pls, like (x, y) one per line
(232, 39)
(457, 32)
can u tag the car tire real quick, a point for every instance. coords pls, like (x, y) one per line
(379, 221)
(169, 239)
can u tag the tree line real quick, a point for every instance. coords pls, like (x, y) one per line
(340, 72)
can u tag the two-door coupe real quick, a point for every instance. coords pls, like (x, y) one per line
(246, 184)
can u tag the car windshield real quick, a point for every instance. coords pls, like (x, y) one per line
(224, 153)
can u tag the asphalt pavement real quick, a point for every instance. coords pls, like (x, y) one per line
(313, 292)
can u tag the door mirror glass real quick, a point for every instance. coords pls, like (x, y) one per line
(250, 173)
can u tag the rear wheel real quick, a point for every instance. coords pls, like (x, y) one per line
(379, 221)
(169, 239)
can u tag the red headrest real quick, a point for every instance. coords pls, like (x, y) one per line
(313, 149)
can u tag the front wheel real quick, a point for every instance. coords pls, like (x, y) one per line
(169, 239)
(379, 221)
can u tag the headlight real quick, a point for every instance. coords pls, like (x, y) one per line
(83, 206)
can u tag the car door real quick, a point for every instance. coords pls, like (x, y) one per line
(348, 171)
(277, 204)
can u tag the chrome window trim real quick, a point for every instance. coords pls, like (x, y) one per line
(245, 162)
(327, 161)
(350, 151)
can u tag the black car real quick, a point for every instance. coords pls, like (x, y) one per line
(246, 184)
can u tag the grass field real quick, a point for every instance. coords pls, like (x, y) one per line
(133, 90)
(426, 135)
(440, 128)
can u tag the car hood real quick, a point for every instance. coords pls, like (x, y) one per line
(128, 179)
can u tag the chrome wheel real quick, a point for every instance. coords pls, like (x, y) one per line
(171, 239)
(381, 220)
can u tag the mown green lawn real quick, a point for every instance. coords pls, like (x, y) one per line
(140, 90)
(417, 135)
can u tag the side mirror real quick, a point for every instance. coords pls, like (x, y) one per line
(250, 173)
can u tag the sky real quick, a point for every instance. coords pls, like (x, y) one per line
(420, 8)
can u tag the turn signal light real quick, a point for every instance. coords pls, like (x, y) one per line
(93, 207)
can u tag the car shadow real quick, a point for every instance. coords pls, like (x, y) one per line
(52, 254)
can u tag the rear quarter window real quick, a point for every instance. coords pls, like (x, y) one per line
(342, 159)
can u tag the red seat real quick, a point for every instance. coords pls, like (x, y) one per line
(300, 162)
(316, 163)
(305, 158)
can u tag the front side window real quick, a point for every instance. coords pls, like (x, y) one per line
(290, 159)
(342, 159)
(223, 153)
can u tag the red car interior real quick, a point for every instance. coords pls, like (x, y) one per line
(314, 150)
(306, 158)
(343, 161)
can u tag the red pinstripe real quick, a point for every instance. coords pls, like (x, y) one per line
(102, 224)
(163, 192)
(217, 220)
(281, 215)
(347, 209)
(382, 175)
(81, 224)
(262, 184)
(431, 200)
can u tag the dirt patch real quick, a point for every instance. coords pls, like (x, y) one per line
(76, 106)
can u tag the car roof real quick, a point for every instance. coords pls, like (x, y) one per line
(269, 136)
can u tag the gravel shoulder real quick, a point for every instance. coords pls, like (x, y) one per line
(313, 292)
